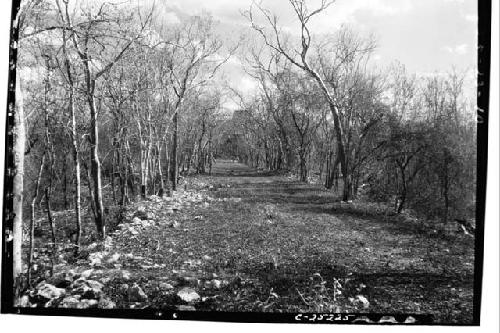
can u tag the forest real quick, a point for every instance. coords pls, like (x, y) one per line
(122, 127)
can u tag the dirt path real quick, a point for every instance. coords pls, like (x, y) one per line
(262, 242)
(243, 240)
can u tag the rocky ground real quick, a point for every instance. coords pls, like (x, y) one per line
(242, 240)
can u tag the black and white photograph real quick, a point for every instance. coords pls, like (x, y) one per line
(249, 161)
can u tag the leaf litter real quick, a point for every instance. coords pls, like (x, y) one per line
(266, 244)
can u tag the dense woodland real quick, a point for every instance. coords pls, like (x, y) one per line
(119, 104)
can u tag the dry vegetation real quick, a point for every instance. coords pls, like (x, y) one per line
(241, 240)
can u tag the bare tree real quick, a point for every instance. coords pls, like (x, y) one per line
(17, 128)
(84, 36)
(191, 58)
(300, 59)
(74, 132)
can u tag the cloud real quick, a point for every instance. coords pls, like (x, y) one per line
(471, 18)
(247, 85)
(219, 8)
(171, 18)
(458, 49)
(230, 105)
(346, 12)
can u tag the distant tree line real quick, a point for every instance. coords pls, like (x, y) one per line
(322, 112)
(113, 103)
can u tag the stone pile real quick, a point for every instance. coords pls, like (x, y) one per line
(70, 289)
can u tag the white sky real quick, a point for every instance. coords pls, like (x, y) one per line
(425, 35)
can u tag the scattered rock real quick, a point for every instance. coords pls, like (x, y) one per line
(105, 279)
(140, 213)
(361, 300)
(165, 286)
(97, 274)
(46, 292)
(88, 289)
(213, 284)
(69, 302)
(88, 303)
(108, 241)
(188, 295)
(175, 224)
(188, 280)
(106, 303)
(96, 259)
(155, 198)
(123, 288)
(86, 274)
(24, 302)
(136, 294)
(92, 246)
(217, 284)
(114, 258)
(63, 279)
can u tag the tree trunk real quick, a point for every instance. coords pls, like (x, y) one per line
(32, 221)
(51, 220)
(303, 164)
(210, 154)
(129, 179)
(122, 179)
(78, 182)
(65, 185)
(113, 170)
(161, 190)
(74, 143)
(167, 171)
(91, 192)
(446, 188)
(152, 178)
(347, 186)
(174, 167)
(95, 167)
(401, 199)
(339, 133)
(201, 159)
(52, 228)
(332, 177)
(18, 130)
